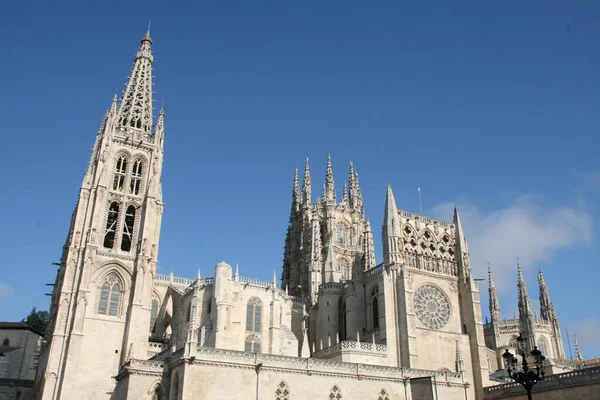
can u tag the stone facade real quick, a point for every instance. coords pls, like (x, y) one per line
(340, 325)
(19, 352)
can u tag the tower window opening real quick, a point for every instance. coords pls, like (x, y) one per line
(343, 234)
(128, 229)
(120, 172)
(136, 177)
(375, 305)
(345, 271)
(111, 225)
(153, 315)
(253, 315)
(110, 296)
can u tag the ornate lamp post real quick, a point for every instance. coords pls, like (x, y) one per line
(525, 375)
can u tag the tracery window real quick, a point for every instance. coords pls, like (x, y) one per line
(253, 315)
(111, 225)
(543, 346)
(252, 343)
(120, 172)
(335, 393)
(128, 229)
(282, 392)
(110, 296)
(153, 315)
(513, 342)
(383, 395)
(342, 235)
(136, 177)
(345, 270)
(432, 307)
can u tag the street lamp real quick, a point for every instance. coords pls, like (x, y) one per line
(526, 376)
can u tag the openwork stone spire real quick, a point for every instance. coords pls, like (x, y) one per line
(329, 192)
(295, 193)
(525, 312)
(306, 186)
(494, 302)
(135, 111)
(546, 307)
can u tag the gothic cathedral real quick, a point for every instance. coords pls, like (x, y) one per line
(340, 325)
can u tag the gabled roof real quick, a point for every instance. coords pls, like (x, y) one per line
(17, 326)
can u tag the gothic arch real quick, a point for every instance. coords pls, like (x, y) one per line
(431, 239)
(110, 294)
(544, 346)
(156, 391)
(122, 269)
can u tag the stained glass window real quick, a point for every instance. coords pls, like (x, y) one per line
(110, 296)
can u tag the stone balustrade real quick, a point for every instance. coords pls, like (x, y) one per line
(351, 346)
(425, 219)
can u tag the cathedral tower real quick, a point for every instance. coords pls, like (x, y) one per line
(103, 289)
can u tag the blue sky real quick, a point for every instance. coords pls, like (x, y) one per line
(493, 106)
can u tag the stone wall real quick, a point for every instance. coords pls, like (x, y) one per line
(580, 384)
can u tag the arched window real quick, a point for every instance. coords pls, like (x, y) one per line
(335, 393)
(110, 296)
(136, 177)
(375, 306)
(253, 315)
(111, 225)
(157, 393)
(342, 233)
(513, 342)
(282, 392)
(128, 229)
(6, 342)
(120, 172)
(252, 343)
(345, 270)
(383, 395)
(543, 347)
(153, 315)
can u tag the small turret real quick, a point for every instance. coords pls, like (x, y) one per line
(368, 247)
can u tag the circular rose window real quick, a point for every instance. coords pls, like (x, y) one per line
(431, 307)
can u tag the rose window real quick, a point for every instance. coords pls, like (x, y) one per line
(431, 307)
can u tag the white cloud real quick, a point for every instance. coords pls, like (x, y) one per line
(525, 229)
(6, 292)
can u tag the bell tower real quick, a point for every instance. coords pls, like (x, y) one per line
(103, 289)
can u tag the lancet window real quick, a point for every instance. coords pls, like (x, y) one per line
(120, 173)
(110, 296)
(253, 322)
(543, 346)
(375, 308)
(127, 236)
(153, 315)
(136, 177)
(111, 225)
(253, 315)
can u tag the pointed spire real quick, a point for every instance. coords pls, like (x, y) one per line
(459, 362)
(359, 199)
(391, 222)
(345, 198)
(391, 230)
(274, 278)
(329, 190)
(547, 312)
(295, 193)
(460, 232)
(352, 191)
(305, 350)
(236, 277)
(368, 247)
(525, 311)
(199, 276)
(159, 130)
(494, 302)
(135, 111)
(306, 186)
(578, 355)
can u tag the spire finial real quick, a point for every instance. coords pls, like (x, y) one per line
(578, 355)
(329, 193)
(306, 185)
(274, 278)
(494, 302)
(199, 276)
(460, 367)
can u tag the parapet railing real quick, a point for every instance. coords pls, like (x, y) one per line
(425, 219)
(551, 382)
(375, 270)
(349, 346)
(173, 279)
(255, 281)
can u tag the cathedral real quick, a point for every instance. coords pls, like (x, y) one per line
(339, 326)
